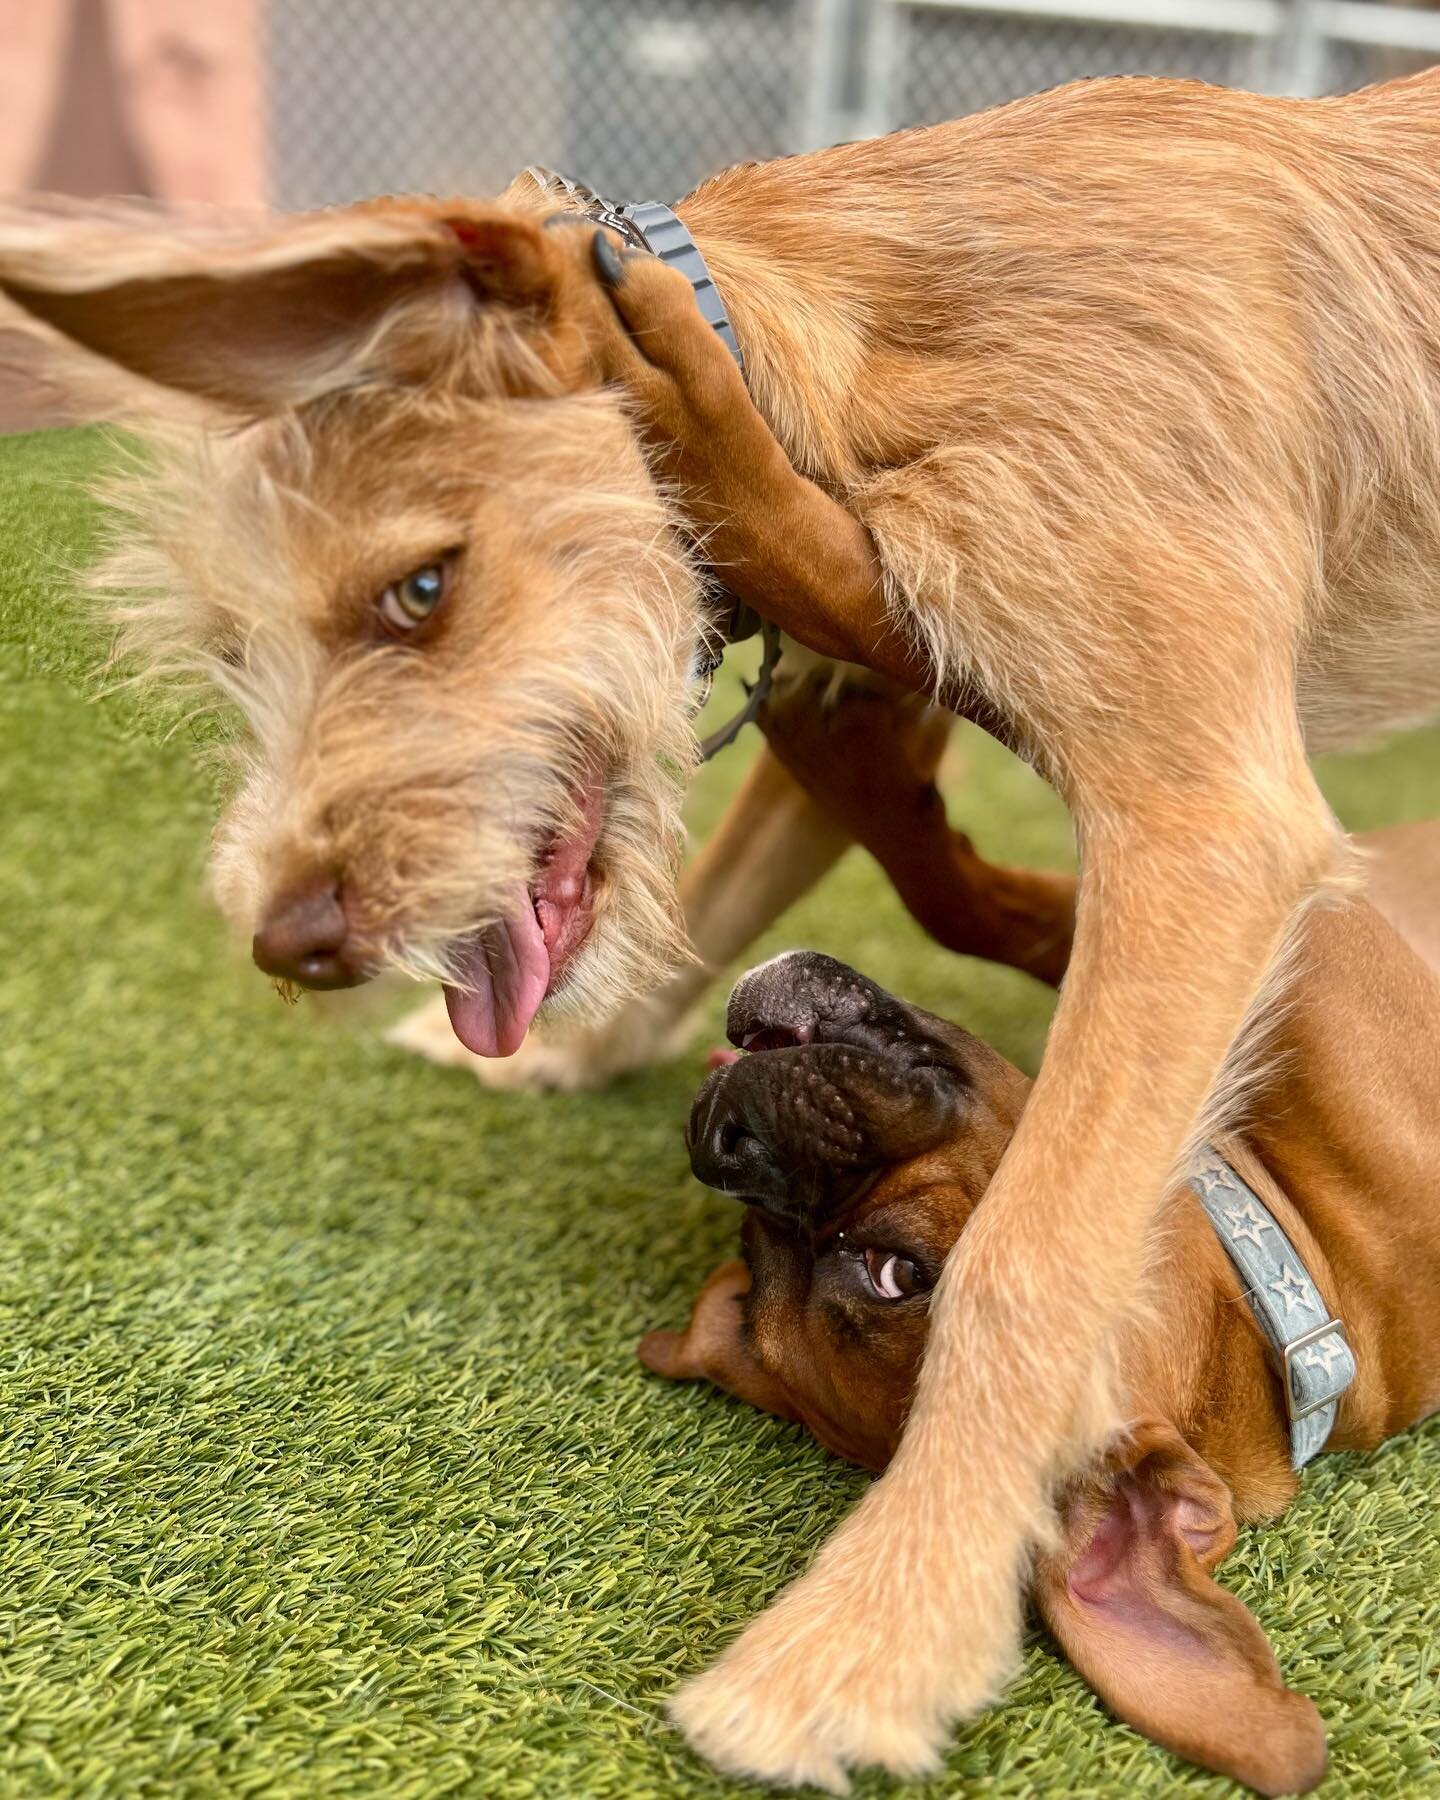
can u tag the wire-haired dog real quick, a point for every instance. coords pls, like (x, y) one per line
(1112, 416)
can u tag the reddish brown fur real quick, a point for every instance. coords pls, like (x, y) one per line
(1343, 1151)
(1114, 415)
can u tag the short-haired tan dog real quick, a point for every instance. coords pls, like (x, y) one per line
(862, 1133)
(1112, 416)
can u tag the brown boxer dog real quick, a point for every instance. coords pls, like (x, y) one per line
(861, 1133)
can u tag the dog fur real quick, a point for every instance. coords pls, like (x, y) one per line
(787, 826)
(874, 1134)
(1112, 417)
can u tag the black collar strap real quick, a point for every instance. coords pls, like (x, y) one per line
(647, 225)
(756, 693)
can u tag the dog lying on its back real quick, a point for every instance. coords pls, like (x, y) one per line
(862, 1132)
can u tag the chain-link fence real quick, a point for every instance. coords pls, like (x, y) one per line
(644, 97)
(946, 57)
(448, 96)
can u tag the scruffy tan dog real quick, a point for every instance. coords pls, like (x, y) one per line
(1112, 416)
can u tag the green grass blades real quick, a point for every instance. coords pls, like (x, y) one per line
(326, 1465)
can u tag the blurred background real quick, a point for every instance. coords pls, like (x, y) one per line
(309, 102)
(299, 103)
(642, 98)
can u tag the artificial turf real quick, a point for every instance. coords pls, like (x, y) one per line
(326, 1465)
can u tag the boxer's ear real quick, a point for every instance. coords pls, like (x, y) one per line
(713, 1348)
(260, 315)
(1130, 1598)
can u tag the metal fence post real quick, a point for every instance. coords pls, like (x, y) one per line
(819, 120)
(1301, 55)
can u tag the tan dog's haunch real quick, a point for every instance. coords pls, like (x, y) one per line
(862, 1134)
(1113, 416)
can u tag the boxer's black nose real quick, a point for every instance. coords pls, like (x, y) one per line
(729, 1142)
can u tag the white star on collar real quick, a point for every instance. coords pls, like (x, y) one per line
(1211, 1177)
(1291, 1290)
(1245, 1222)
(1322, 1355)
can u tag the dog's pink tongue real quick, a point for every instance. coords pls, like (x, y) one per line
(506, 972)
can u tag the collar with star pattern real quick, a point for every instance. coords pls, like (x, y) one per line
(1316, 1363)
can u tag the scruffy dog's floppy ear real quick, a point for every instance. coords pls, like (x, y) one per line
(257, 315)
(1131, 1600)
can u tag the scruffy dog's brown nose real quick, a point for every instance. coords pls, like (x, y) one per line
(306, 938)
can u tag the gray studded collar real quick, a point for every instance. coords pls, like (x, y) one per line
(648, 225)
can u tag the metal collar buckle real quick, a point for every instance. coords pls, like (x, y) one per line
(594, 206)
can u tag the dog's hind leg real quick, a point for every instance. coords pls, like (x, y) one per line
(869, 754)
(770, 848)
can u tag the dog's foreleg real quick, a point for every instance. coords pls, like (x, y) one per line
(771, 846)
(1130, 600)
(855, 1664)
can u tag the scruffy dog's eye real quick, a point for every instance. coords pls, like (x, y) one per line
(892, 1277)
(411, 600)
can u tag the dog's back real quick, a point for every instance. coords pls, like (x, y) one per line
(1179, 285)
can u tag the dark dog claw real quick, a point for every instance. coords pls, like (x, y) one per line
(607, 261)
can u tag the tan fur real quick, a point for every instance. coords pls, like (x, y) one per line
(1342, 1150)
(1113, 415)
(248, 563)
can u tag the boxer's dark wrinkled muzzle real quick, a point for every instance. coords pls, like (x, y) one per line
(841, 1081)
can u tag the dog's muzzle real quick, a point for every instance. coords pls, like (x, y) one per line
(841, 1081)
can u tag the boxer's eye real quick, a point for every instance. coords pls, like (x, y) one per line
(891, 1276)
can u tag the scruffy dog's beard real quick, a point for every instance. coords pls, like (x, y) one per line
(498, 803)
(438, 912)
(527, 864)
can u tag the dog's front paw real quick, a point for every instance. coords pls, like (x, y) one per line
(858, 1664)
